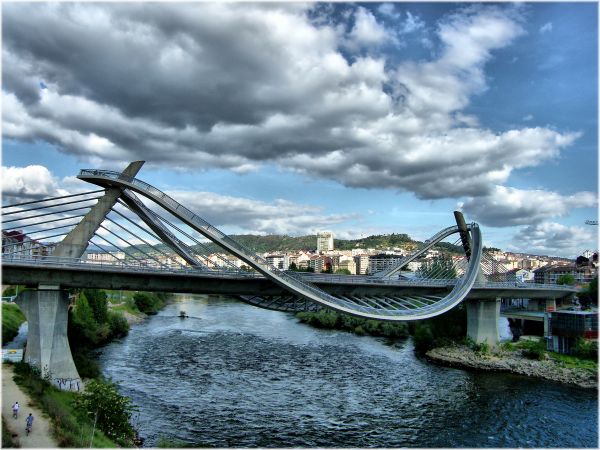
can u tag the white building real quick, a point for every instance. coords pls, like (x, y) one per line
(324, 241)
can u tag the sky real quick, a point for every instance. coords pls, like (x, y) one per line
(294, 118)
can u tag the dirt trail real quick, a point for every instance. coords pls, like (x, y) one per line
(40, 437)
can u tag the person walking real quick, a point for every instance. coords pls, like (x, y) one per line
(15, 410)
(28, 423)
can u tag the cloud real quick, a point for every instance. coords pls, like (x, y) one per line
(551, 238)
(238, 213)
(253, 216)
(527, 118)
(28, 183)
(173, 85)
(546, 28)
(507, 206)
(412, 24)
(366, 31)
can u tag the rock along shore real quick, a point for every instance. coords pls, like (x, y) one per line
(513, 362)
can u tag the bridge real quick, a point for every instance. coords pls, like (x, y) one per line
(156, 243)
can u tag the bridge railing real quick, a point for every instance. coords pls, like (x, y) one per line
(134, 266)
(318, 278)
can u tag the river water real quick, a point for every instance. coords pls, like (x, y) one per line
(233, 375)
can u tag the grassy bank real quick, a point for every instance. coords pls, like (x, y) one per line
(12, 318)
(8, 440)
(427, 334)
(333, 320)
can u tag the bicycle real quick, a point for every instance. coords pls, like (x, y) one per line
(15, 413)
(27, 430)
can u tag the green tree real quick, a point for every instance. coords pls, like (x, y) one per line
(567, 279)
(99, 304)
(110, 410)
(293, 267)
(343, 272)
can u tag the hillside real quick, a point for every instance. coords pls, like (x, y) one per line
(282, 243)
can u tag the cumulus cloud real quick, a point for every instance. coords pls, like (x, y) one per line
(366, 30)
(238, 213)
(551, 238)
(505, 206)
(26, 183)
(172, 84)
(253, 216)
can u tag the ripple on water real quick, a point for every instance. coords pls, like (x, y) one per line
(239, 376)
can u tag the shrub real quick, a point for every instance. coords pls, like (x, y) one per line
(118, 325)
(111, 411)
(149, 303)
(533, 349)
(423, 337)
(585, 349)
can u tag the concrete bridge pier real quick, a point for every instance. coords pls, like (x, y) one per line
(482, 320)
(46, 310)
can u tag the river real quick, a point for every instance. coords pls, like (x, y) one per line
(233, 375)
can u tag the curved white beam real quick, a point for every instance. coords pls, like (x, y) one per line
(288, 280)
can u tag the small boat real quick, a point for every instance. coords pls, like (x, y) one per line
(182, 315)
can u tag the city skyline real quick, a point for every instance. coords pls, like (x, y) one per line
(291, 119)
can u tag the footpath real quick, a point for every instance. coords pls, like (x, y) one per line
(40, 436)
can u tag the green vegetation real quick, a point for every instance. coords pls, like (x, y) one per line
(12, 290)
(439, 331)
(329, 319)
(12, 318)
(343, 272)
(8, 440)
(92, 325)
(585, 353)
(533, 349)
(72, 427)
(567, 279)
(149, 302)
(109, 410)
(589, 296)
(586, 349)
(574, 362)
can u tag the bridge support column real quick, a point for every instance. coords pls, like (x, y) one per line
(48, 348)
(482, 320)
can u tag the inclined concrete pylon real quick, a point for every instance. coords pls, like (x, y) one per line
(46, 309)
(482, 315)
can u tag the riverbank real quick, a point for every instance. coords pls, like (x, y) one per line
(513, 361)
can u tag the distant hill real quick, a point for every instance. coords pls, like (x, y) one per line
(281, 243)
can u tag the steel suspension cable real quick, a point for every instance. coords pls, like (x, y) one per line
(227, 262)
(140, 238)
(132, 245)
(52, 198)
(44, 222)
(105, 251)
(51, 206)
(47, 214)
(117, 247)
